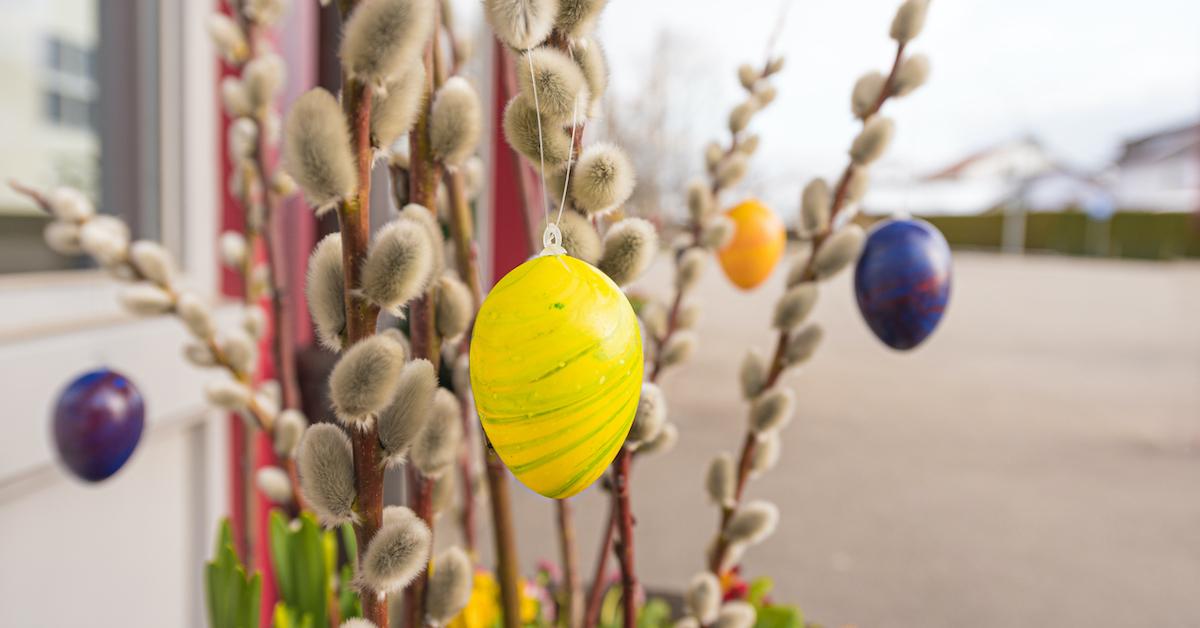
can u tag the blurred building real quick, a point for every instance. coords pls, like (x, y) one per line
(1160, 171)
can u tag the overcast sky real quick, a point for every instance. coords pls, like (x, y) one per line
(1081, 75)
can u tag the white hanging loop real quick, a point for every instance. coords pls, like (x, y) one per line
(552, 241)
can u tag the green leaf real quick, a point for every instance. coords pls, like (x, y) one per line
(782, 616)
(348, 601)
(281, 556)
(655, 614)
(350, 542)
(759, 589)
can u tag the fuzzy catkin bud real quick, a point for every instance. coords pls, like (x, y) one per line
(398, 266)
(589, 54)
(650, 416)
(866, 93)
(753, 374)
(603, 178)
(688, 316)
(288, 429)
(394, 113)
(455, 121)
(195, 315)
(396, 555)
(794, 306)
(146, 299)
(909, 20)
(717, 233)
(199, 355)
(262, 77)
(912, 73)
(240, 351)
(364, 379)
(356, 622)
(428, 221)
(679, 348)
(689, 269)
(316, 152)
(579, 237)
(815, 207)
(405, 417)
(453, 307)
(721, 480)
(242, 138)
(559, 82)
(70, 204)
(748, 76)
(227, 395)
(748, 145)
(436, 447)
(803, 344)
(325, 462)
(699, 199)
(254, 321)
(765, 95)
(228, 38)
(772, 410)
(654, 318)
(63, 237)
(838, 251)
(629, 248)
(703, 597)
(872, 141)
(578, 17)
(324, 289)
(752, 523)
(713, 155)
(152, 261)
(521, 130)
(522, 24)
(449, 585)
(234, 97)
(736, 614)
(663, 442)
(731, 170)
(856, 188)
(739, 117)
(105, 238)
(233, 249)
(274, 483)
(766, 453)
(382, 36)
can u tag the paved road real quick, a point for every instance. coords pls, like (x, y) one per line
(1033, 465)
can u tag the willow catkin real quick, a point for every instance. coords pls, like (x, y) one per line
(325, 462)
(428, 221)
(700, 201)
(663, 442)
(838, 251)
(766, 453)
(764, 95)
(872, 141)
(455, 121)
(364, 379)
(398, 266)
(436, 447)
(449, 585)
(316, 151)
(396, 554)
(688, 316)
(234, 98)
(753, 374)
(703, 597)
(410, 409)
(521, 130)
(227, 395)
(912, 73)
(62, 237)
(68, 203)
(579, 237)
(602, 179)
(521, 24)
(145, 299)
(382, 36)
(772, 410)
(752, 523)
(559, 82)
(739, 117)
(324, 288)
(629, 248)
(395, 112)
(815, 206)
(105, 238)
(721, 480)
(152, 261)
(262, 79)
(678, 349)
(736, 614)
(909, 20)
(856, 186)
(748, 145)
(358, 622)
(717, 233)
(589, 54)
(288, 429)
(453, 307)
(650, 415)
(274, 483)
(198, 354)
(227, 36)
(794, 306)
(866, 93)
(731, 170)
(748, 76)
(232, 246)
(577, 18)
(689, 269)
(803, 344)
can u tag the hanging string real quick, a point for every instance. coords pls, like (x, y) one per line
(552, 236)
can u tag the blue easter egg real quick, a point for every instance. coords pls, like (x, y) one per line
(98, 422)
(902, 281)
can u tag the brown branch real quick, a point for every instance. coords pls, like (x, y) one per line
(629, 582)
(591, 615)
(572, 592)
(421, 501)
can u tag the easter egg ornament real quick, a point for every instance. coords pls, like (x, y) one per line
(902, 281)
(97, 424)
(556, 370)
(756, 247)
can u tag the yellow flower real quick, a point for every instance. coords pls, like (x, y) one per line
(483, 608)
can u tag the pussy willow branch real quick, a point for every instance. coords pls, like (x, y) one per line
(745, 460)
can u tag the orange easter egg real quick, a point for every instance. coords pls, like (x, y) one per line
(757, 245)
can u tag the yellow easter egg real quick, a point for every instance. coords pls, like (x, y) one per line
(556, 370)
(757, 245)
